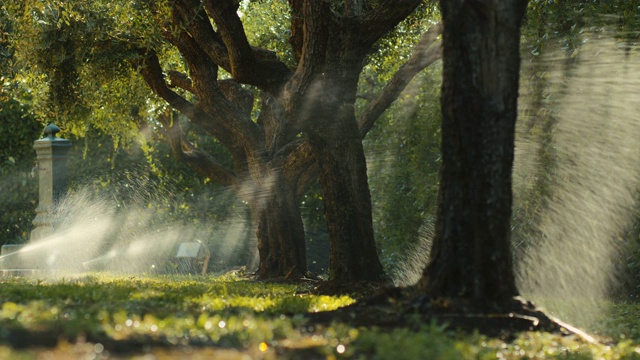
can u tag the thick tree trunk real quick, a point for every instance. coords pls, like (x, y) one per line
(347, 202)
(279, 230)
(471, 255)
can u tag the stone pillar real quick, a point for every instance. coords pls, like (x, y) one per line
(52, 154)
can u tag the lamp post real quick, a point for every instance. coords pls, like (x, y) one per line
(52, 155)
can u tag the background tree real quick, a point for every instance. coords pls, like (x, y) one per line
(88, 53)
(19, 127)
(17, 159)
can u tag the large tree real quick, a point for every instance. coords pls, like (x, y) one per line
(471, 256)
(196, 57)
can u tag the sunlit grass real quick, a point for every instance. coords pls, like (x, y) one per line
(104, 316)
(176, 311)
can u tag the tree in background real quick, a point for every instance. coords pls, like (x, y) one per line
(17, 181)
(19, 130)
(196, 58)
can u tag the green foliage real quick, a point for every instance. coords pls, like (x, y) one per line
(572, 21)
(267, 24)
(404, 157)
(621, 321)
(17, 181)
(75, 58)
(433, 342)
(73, 62)
(629, 266)
(395, 48)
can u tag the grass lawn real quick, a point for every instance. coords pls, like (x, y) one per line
(102, 316)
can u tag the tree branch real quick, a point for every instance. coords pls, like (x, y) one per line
(354, 8)
(153, 76)
(196, 20)
(297, 27)
(230, 116)
(243, 99)
(186, 152)
(297, 162)
(225, 16)
(307, 178)
(180, 80)
(233, 91)
(424, 54)
(278, 132)
(388, 14)
(317, 17)
(229, 47)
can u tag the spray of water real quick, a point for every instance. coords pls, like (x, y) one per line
(416, 257)
(576, 178)
(98, 230)
(568, 262)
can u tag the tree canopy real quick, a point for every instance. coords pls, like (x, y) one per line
(282, 107)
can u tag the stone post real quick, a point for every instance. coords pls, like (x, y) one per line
(52, 155)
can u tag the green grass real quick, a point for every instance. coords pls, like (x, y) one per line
(105, 316)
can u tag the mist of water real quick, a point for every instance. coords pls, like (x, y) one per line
(98, 230)
(592, 172)
(576, 177)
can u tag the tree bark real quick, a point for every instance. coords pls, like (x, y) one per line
(279, 230)
(471, 255)
(347, 204)
(328, 118)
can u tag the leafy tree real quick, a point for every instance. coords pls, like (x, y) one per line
(17, 184)
(285, 117)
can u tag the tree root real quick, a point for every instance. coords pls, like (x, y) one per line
(398, 307)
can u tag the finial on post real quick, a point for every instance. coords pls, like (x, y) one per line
(51, 130)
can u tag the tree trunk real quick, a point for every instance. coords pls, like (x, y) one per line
(279, 230)
(347, 201)
(471, 255)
